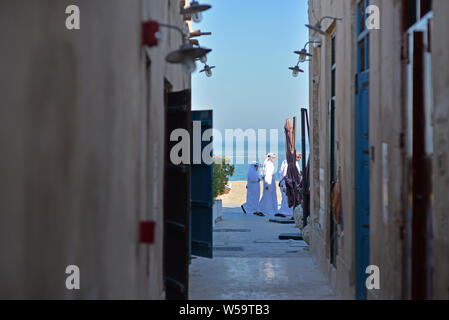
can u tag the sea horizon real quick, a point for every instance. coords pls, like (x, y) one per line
(243, 157)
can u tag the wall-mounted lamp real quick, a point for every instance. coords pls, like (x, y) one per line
(186, 54)
(208, 70)
(198, 33)
(316, 43)
(203, 59)
(296, 70)
(303, 54)
(194, 42)
(194, 11)
(317, 27)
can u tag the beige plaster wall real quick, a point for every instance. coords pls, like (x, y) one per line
(388, 248)
(81, 129)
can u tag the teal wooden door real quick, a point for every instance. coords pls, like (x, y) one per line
(362, 188)
(201, 216)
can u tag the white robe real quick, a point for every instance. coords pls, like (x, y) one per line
(253, 191)
(269, 203)
(284, 209)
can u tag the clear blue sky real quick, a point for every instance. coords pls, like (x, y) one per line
(253, 43)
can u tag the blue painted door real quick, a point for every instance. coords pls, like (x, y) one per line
(201, 216)
(362, 151)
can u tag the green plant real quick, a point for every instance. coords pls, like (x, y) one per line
(222, 171)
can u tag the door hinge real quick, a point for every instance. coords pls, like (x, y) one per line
(180, 286)
(402, 141)
(405, 48)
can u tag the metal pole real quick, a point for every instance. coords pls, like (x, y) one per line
(183, 35)
(294, 134)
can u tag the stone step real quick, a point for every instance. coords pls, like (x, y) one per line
(282, 220)
(292, 236)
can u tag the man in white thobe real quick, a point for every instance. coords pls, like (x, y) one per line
(269, 203)
(284, 210)
(252, 190)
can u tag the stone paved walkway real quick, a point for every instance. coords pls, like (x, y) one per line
(251, 263)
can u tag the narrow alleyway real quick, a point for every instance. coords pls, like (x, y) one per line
(251, 263)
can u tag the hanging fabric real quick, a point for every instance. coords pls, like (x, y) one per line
(292, 179)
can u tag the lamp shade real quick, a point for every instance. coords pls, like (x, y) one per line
(317, 28)
(186, 51)
(195, 7)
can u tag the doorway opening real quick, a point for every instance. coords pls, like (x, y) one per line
(418, 17)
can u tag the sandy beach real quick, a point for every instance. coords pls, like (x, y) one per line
(237, 196)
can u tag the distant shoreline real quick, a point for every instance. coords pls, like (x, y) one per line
(237, 196)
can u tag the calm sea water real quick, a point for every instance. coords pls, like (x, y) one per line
(241, 170)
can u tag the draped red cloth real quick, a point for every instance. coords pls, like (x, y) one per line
(293, 178)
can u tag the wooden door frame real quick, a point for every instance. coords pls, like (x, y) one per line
(417, 212)
(176, 202)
